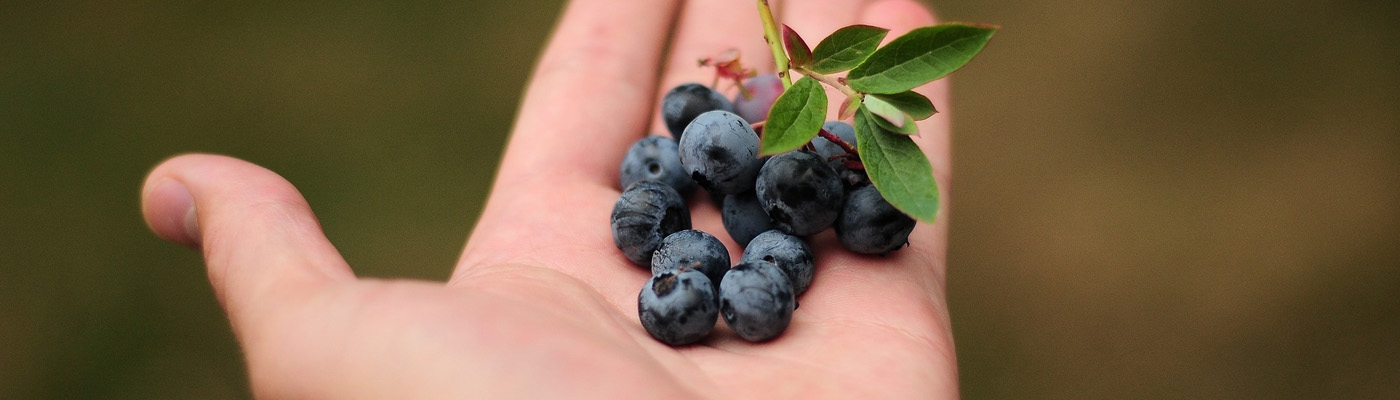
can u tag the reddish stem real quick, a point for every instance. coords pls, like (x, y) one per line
(831, 137)
(849, 160)
(743, 91)
(852, 156)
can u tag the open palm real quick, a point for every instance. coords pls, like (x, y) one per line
(542, 304)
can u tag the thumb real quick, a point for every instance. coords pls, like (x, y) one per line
(261, 243)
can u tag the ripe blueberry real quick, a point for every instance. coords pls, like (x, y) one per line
(789, 253)
(654, 158)
(686, 101)
(644, 215)
(678, 307)
(720, 152)
(692, 250)
(870, 225)
(756, 301)
(744, 217)
(800, 192)
(827, 150)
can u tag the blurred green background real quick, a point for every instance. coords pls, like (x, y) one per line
(1190, 199)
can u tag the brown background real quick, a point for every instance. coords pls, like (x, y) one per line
(1192, 199)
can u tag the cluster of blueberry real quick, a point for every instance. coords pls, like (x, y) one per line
(768, 204)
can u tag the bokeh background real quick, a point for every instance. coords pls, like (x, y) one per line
(1188, 199)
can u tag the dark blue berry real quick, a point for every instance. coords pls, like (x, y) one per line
(800, 192)
(644, 215)
(692, 250)
(654, 158)
(744, 217)
(686, 101)
(756, 300)
(826, 148)
(828, 151)
(870, 225)
(789, 253)
(720, 152)
(678, 307)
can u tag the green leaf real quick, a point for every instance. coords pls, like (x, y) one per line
(885, 110)
(907, 128)
(916, 105)
(799, 55)
(897, 168)
(889, 117)
(846, 48)
(795, 117)
(919, 57)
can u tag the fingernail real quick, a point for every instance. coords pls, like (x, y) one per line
(177, 226)
(192, 221)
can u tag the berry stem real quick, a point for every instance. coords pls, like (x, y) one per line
(831, 81)
(743, 91)
(831, 137)
(849, 160)
(770, 35)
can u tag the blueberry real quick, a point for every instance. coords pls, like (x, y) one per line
(762, 91)
(644, 215)
(686, 101)
(720, 152)
(744, 218)
(870, 225)
(654, 158)
(800, 192)
(756, 301)
(827, 150)
(678, 307)
(789, 253)
(691, 250)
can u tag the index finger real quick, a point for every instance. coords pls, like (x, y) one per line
(590, 93)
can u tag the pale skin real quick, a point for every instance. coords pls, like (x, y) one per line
(541, 303)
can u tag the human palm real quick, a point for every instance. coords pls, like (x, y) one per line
(542, 304)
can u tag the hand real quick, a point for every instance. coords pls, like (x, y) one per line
(542, 304)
